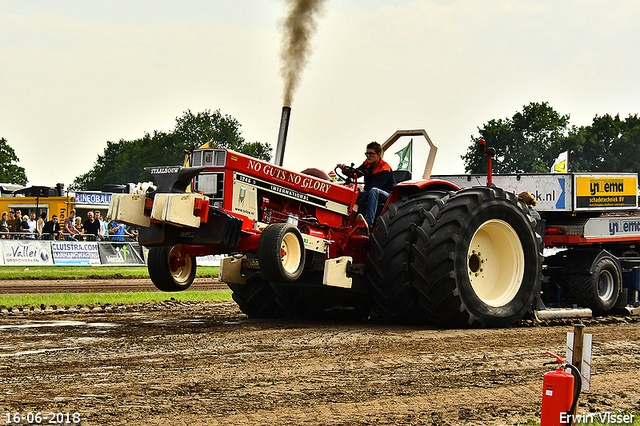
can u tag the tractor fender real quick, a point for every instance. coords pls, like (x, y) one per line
(406, 188)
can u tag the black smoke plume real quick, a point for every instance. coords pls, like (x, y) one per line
(298, 26)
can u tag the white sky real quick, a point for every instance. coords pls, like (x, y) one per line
(75, 74)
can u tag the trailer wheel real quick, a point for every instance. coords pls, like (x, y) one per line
(281, 252)
(167, 271)
(599, 290)
(391, 255)
(256, 299)
(480, 262)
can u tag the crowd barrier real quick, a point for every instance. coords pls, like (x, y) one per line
(79, 253)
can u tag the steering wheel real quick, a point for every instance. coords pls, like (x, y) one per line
(350, 175)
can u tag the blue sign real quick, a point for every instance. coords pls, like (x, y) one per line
(72, 253)
(93, 198)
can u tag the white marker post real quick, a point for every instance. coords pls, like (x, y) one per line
(579, 352)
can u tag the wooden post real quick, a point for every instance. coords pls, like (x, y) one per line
(576, 359)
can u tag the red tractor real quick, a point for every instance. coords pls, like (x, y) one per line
(296, 248)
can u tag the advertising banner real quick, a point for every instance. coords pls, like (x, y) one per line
(612, 226)
(93, 198)
(208, 260)
(596, 192)
(128, 254)
(75, 253)
(26, 252)
(552, 191)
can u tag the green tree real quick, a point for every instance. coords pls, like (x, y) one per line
(609, 144)
(528, 142)
(124, 161)
(221, 131)
(9, 171)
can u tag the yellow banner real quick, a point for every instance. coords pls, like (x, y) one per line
(606, 191)
(602, 186)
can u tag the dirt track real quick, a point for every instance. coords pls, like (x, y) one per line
(180, 364)
(100, 285)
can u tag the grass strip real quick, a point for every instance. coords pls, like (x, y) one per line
(72, 299)
(86, 272)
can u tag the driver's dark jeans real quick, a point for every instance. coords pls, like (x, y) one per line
(369, 201)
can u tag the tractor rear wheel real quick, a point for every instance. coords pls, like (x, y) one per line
(256, 299)
(167, 271)
(480, 262)
(391, 255)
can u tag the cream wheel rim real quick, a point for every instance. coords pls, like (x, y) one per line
(290, 253)
(495, 263)
(181, 271)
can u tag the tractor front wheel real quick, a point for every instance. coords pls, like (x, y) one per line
(169, 270)
(281, 253)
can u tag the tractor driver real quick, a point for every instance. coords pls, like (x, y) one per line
(378, 181)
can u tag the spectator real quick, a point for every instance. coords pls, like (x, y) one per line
(78, 227)
(33, 223)
(25, 229)
(52, 228)
(11, 221)
(118, 230)
(107, 231)
(4, 226)
(18, 222)
(40, 223)
(92, 226)
(68, 227)
(133, 232)
(104, 225)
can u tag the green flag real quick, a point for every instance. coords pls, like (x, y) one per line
(405, 157)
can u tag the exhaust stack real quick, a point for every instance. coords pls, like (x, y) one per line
(282, 135)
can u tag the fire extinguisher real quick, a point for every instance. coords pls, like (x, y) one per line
(558, 399)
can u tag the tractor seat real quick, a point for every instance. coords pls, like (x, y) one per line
(401, 175)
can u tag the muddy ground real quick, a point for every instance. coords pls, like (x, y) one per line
(176, 363)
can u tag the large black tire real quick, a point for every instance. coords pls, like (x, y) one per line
(165, 270)
(390, 257)
(281, 252)
(480, 262)
(599, 290)
(320, 302)
(256, 299)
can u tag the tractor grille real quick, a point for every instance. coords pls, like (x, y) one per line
(209, 158)
(210, 184)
